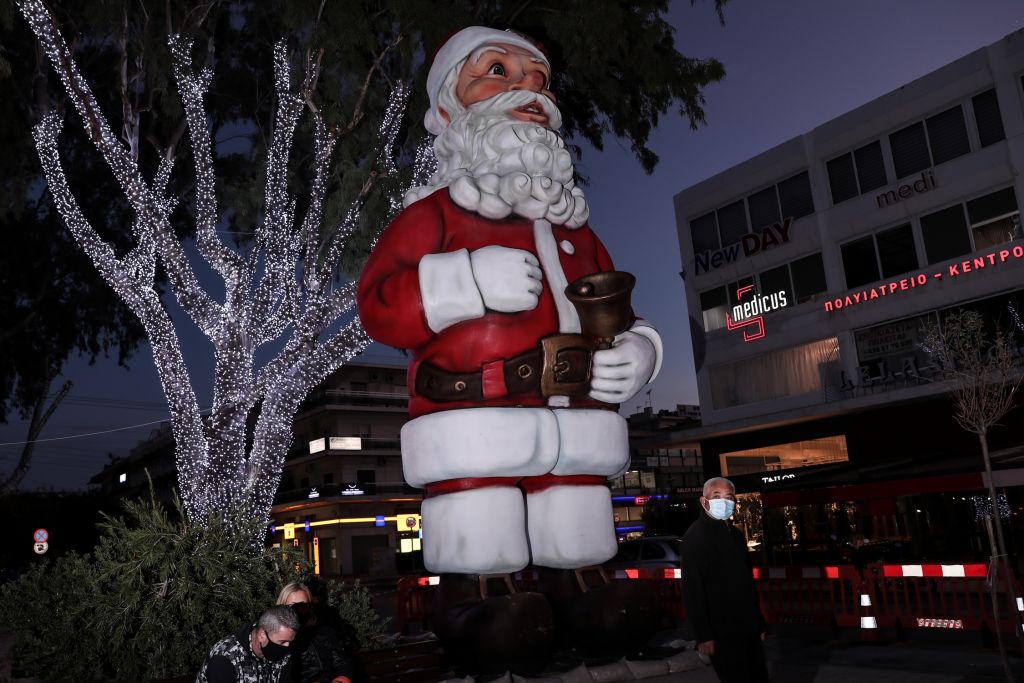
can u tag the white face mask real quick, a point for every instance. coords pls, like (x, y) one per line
(721, 508)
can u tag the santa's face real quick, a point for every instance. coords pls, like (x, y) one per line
(498, 68)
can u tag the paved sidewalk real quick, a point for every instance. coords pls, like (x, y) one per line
(796, 661)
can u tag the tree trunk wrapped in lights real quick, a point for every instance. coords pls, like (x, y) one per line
(279, 291)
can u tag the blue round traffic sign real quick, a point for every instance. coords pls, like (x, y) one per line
(41, 535)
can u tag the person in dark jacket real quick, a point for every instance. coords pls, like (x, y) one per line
(319, 654)
(257, 653)
(719, 591)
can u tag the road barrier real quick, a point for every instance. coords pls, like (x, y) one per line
(892, 597)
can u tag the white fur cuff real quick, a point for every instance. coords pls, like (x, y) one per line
(645, 329)
(448, 290)
(591, 442)
(479, 442)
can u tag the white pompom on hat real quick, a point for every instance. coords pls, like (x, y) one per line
(460, 46)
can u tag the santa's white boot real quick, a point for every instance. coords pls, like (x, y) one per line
(475, 531)
(571, 534)
(472, 532)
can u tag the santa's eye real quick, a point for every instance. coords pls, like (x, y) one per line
(496, 70)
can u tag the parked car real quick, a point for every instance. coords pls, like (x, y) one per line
(653, 552)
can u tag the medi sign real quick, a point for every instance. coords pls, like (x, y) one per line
(751, 243)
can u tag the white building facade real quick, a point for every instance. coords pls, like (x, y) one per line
(810, 271)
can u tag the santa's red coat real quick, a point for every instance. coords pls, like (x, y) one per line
(391, 307)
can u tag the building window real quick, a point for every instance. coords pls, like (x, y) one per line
(304, 483)
(785, 456)
(329, 478)
(777, 280)
(987, 118)
(909, 150)
(947, 135)
(704, 233)
(896, 251)
(842, 178)
(994, 218)
(870, 166)
(945, 234)
(795, 196)
(788, 372)
(860, 262)
(808, 277)
(736, 287)
(764, 208)
(854, 174)
(713, 306)
(732, 222)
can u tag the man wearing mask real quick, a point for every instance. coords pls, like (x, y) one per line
(256, 654)
(719, 591)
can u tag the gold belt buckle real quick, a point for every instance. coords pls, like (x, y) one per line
(567, 361)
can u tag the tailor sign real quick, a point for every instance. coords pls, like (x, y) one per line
(750, 244)
(953, 271)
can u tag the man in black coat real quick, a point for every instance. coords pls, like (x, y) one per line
(719, 591)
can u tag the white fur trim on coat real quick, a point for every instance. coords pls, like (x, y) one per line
(448, 290)
(644, 328)
(479, 442)
(513, 442)
(571, 526)
(547, 253)
(480, 531)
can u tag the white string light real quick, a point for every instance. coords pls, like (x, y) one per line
(281, 288)
(983, 506)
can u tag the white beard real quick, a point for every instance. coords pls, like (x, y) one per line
(495, 166)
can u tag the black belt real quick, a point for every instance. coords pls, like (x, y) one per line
(558, 366)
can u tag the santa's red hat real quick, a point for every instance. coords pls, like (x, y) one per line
(457, 48)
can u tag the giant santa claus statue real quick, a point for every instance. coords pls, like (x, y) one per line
(470, 277)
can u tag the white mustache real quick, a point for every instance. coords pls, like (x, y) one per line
(514, 99)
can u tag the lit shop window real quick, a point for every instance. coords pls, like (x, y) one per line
(785, 456)
(788, 372)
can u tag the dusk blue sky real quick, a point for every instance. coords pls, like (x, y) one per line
(790, 66)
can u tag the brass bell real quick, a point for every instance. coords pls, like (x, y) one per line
(602, 302)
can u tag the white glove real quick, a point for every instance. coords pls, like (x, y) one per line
(509, 279)
(620, 372)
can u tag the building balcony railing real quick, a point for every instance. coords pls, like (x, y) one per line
(344, 491)
(375, 445)
(348, 397)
